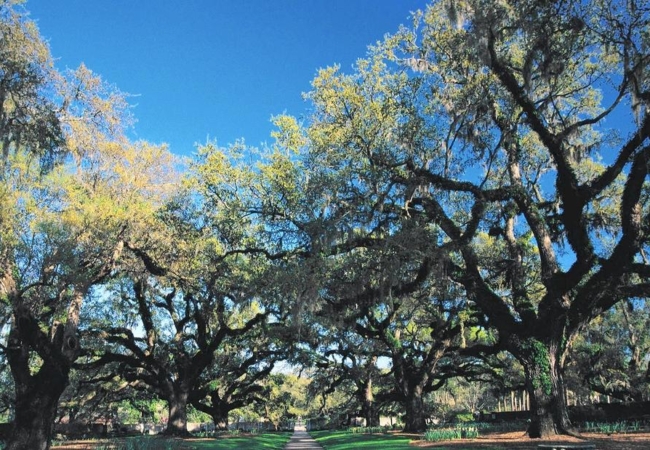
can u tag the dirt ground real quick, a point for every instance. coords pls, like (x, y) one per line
(519, 440)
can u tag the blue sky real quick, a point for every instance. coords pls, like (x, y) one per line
(213, 68)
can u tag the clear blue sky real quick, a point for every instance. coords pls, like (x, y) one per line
(217, 68)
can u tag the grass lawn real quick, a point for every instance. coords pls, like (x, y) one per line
(344, 440)
(261, 441)
(241, 442)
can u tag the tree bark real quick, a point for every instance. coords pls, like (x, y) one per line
(545, 386)
(218, 409)
(414, 422)
(370, 413)
(177, 407)
(369, 410)
(36, 408)
(37, 399)
(220, 419)
(37, 395)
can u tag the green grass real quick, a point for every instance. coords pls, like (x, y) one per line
(260, 441)
(243, 442)
(344, 440)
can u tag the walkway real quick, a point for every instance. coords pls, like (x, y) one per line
(301, 440)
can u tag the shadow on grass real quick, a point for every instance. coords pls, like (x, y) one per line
(247, 442)
(343, 440)
(262, 441)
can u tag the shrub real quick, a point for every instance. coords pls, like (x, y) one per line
(622, 426)
(145, 444)
(442, 434)
(460, 431)
(464, 417)
(368, 430)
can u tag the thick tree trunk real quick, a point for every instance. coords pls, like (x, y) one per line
(37, 395)
(545, 385)
(369, 411)
(220, 419)
(218, 410)
(415, 422)
(37, 399)
(370, 414)
(177, 406)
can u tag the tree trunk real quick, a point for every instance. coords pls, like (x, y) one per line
(177, 406)
(220, 419)
(37, 398)
(545, 385)
(415, 422)
(369, 411)
(37, 395)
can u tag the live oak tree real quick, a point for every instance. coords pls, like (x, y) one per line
(375, 299)
(235, 379)
(251, 199)
(516, 135)
(345, 378)
(354, 265)
(584, 209)
(202, 291)
(67, 238)
(419, 338)
(95, 397)
(425, 337)
(183, 332)
(255, 199)
(68, 206)
(367, 318)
